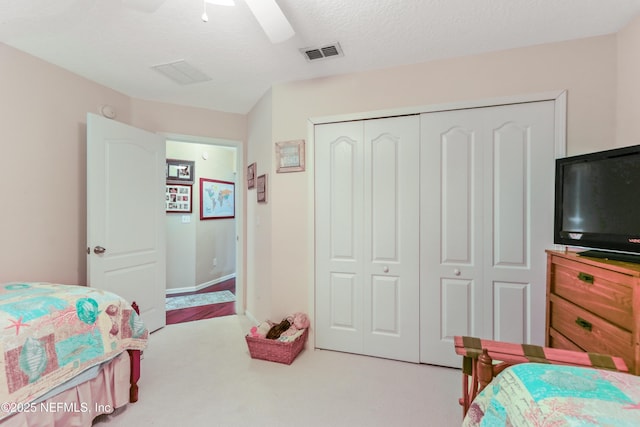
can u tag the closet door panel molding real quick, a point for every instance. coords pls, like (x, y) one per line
(457, 219)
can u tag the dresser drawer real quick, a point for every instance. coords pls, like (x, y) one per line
(589, 331)
(608, 294)
(557, 340)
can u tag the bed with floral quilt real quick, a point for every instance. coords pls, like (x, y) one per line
(511, 384)
(535, 394)
(56, 339)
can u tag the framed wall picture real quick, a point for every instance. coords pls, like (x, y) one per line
(290, 156)
(251, 175)
(261, 188)
(178, 198)
(217, 199)
(180, 171)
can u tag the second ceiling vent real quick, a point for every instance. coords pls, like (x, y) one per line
(324, 52)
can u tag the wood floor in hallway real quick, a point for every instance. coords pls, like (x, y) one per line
(206, 311)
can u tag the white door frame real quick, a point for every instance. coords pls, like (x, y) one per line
(559, 97)
(240, 211)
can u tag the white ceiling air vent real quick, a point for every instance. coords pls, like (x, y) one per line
(324, 52)
(181, 72)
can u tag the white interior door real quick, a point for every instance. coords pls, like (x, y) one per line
(487, 182)
(126, 247)
(367, 244)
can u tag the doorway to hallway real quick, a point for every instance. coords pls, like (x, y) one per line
(204, 249)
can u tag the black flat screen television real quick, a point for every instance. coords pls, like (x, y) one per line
(597, 203)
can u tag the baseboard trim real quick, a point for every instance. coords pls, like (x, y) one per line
(172, 291)
(251, 318)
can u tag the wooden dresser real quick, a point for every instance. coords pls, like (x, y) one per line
(594, 305)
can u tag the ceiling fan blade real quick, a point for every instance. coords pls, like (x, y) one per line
(272, 20)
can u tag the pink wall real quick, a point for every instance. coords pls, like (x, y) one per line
(259, 299)
(628, 89)
(42, 222)
(44, 109)
(160, 117)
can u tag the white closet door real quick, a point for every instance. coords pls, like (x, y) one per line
(451, 200)
(392, 220)
(339, 157)
(490, 175)
(367, 241)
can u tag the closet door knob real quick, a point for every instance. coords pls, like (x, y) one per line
(385, 269)
(456, 271)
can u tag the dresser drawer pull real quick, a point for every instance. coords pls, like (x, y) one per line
(583, 324)
(587, 278)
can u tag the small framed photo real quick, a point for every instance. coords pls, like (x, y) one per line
(178, 198)
(261, 188)
(217, 199)
(251, 175)
(180, 171)
(290, 156)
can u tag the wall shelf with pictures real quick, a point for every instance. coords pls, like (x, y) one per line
(178, 198)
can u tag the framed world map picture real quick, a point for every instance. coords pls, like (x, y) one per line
(217, 199)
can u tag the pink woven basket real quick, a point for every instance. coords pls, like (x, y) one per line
(274, 350)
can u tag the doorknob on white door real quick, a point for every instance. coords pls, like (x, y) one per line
(456, 271)
(385, 269)
(99, 250)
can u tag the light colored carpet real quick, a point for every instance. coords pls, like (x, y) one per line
(200, 374)
(196, 300)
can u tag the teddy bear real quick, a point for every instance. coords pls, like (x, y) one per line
(298, 321)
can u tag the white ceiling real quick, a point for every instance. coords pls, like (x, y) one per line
(115, 42)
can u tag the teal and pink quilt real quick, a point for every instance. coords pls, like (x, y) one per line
(533, 394)
(49, 333)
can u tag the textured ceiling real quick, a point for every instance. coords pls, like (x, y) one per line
(115, 42)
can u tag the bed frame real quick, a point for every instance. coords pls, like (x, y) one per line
(484, 359)
(134, 357)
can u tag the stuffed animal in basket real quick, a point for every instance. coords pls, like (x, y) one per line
(277, 330)
(289, 329)
(261, 330)
(298, 321)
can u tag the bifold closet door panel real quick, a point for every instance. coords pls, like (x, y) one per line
(391, 216)
(339, 216)
(486, 219)
(367, 221)
(451, 211)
